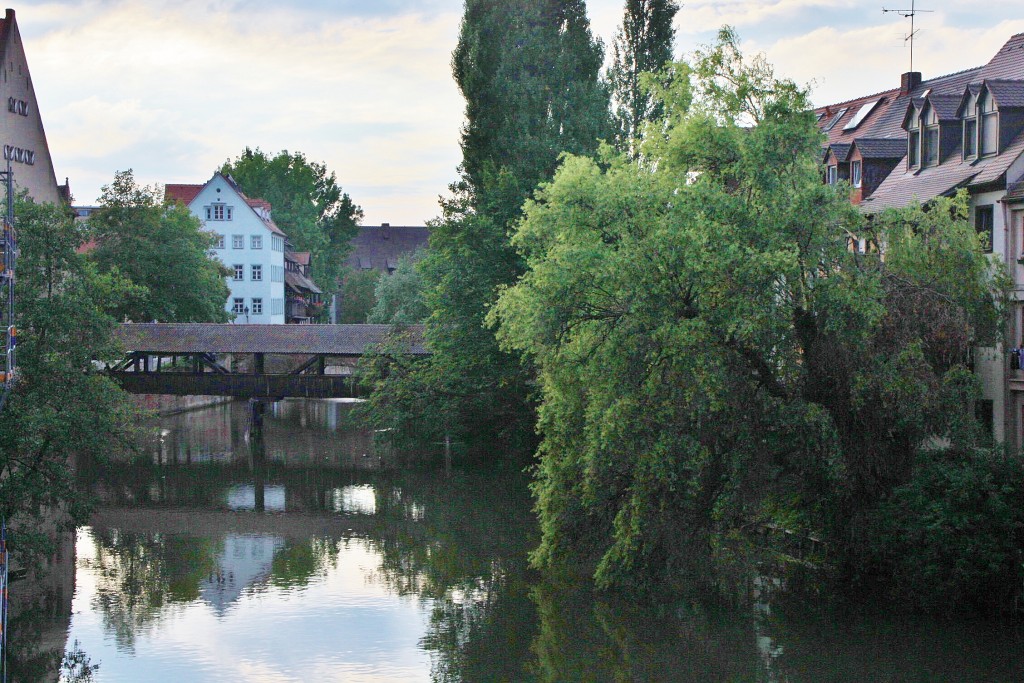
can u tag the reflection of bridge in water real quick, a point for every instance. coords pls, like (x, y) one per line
(253, 361)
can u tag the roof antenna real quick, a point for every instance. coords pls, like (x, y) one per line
(909, 14)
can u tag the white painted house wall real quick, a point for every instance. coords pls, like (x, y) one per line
(239, 220)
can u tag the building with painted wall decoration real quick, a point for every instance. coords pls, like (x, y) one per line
(930, 138)
(21, 126)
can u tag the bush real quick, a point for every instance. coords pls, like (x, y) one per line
(954, 534)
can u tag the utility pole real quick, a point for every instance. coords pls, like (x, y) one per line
(909, 14)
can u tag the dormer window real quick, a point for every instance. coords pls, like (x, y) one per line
(832, 174)
(856, 173)
(988, 118)
(914, 139)
(970, 124)
(930, 139)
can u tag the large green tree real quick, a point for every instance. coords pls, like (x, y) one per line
(162, 248)
(529, 71)
(642, 45)
(308, 205)
(61, 409)
(713, 358)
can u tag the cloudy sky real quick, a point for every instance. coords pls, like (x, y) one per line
(173, 88)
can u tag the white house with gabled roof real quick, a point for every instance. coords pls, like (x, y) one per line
(248, 243)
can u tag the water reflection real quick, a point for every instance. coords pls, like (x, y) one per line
(223, 557)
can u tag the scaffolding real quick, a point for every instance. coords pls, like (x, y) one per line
(8, 254)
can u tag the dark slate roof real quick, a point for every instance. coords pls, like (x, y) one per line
(841, 150)
(881, 148)
(184, 338)
(1008, 61)
(1008, 94)
(379, 246)
(299, 282)
(945, 105)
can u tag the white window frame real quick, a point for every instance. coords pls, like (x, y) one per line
(856, 173)
(256, 272)
(238, 306)
(833, 178)
(238, 241)
(256, 242)
(257, 306)
(239, 272)
(218, 241)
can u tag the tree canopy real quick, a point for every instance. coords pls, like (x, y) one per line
(163, 249)
(308, 205)
(713, 357)
(529, 71)
(642, 45)
(61, 410)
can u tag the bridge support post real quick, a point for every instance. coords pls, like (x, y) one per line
(257, 452)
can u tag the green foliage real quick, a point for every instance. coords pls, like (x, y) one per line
(358, 296)
(400, 295)
(642, 45)
(162, 249)
(712, 357)
(308, 205)
(954, 533)
(529, 71)
(61, 409)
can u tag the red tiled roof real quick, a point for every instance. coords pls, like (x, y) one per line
(300, 257)
(177, 192)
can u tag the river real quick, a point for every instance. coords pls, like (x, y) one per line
(304, 557)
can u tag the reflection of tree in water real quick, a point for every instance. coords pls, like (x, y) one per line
(588, 639)
(460, 542)
(140, 576)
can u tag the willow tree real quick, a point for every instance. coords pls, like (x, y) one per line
(712, 357)
(529, 72)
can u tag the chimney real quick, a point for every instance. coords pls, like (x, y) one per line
(909, 81)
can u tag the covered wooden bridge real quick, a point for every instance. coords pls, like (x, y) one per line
(252, 361)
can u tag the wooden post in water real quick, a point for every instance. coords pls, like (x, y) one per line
(257, 452)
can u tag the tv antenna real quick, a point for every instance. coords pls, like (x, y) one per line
(909, 14)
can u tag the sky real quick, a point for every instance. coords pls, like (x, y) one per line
(174, 88)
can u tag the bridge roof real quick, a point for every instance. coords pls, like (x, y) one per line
(333, 340)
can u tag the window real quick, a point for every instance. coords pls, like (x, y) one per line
(835, 119)
(218, 212)
(855, 173)
(914, 148)
(970, 137)
(277, 307)
(257, 306)
(256, 242)
(930, 146)
(218, 241)
(983, 223)
(256, 272)
(988, 139)
(861, 114)
(239, 271)
(238, 241)
(238, 306)
(277, 273)
(276, 243)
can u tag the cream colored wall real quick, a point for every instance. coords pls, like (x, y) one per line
(24, 130)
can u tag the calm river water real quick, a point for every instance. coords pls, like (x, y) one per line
(207, 562)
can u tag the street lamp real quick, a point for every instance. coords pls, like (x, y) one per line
(246, 311)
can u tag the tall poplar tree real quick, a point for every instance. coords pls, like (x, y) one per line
(643, 44)
(530, 73)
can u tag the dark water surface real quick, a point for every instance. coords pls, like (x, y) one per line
(207, 562)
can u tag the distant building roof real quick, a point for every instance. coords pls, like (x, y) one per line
(181, 192)
(378, 247)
